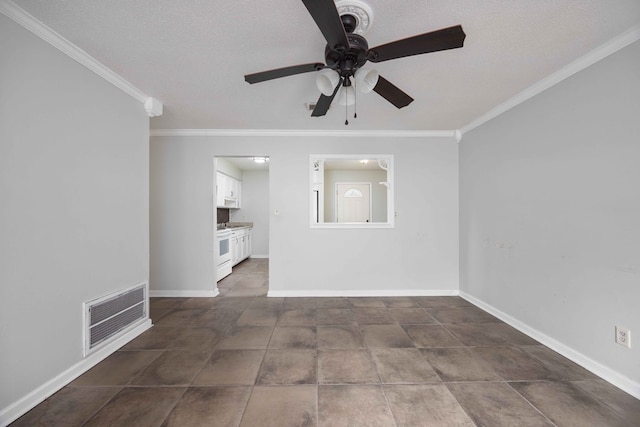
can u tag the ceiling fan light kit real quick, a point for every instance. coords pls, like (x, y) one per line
(327, 80)
(343, 24)
(366, 80)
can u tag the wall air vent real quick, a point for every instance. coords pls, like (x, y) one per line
(311, 105)
(110, 316)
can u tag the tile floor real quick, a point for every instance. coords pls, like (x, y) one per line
(242, 359)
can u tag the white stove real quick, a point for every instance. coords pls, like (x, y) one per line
(223, 254)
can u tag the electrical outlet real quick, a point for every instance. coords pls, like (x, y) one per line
(623, 337)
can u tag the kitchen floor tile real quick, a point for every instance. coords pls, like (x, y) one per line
(300, 337)
(489, 334)
(568, 405)
(431, 336)
(462, 315)
(246, 337)
(496, 405)
(346, 367)
(279, 406)
(385, 336)
(209, 406)
(298, 303)
(620, 402)
(230, 367)
(403, 365)
(425, 405)
(435, 302)
(173, 367)
(117, 369)
(459, 364)
(218, 318)
(357, 405)
(199, 303)
(372, 316)
(69, 406)
(181, 317)
(154, 338)
(413, 315)
(333, 302)
(197, 339)
(513, 364)
(258, 316)
(297, 317)
(339, 336)
(400, 302)
(335, 316)
(271, 302)
(561, 367)
(366, 302)
(288, 367)
(138, 406)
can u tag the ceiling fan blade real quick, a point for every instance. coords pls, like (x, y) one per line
(283, 72)
(391, 93)
(324, 102)
(325, 13)
(446, 38)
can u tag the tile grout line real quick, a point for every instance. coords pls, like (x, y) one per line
(530, 403)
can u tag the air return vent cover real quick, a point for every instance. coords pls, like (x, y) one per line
(110, 316)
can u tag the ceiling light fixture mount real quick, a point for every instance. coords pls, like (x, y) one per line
(360, 11)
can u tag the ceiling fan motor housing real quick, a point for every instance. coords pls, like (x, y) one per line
(346, 61)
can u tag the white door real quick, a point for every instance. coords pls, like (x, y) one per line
(353, 202)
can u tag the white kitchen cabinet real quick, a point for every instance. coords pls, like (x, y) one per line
(240, 245)
(228, 191)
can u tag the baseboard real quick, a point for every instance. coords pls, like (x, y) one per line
(183, 294)
(604, 372)
(37, 396)
(364, 293)
(259, 256)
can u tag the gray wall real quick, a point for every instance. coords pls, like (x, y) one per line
(550, 208)
(419, 255)
(255, 208)
(73, 204)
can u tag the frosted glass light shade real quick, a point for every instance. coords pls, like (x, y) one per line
(346, 96)
(366, 80)
(327, 81)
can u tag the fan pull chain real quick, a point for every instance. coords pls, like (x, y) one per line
(355, 100)
(346, 106)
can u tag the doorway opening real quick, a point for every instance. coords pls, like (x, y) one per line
(241, 218)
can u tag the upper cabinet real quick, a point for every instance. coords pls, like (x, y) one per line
(228, 191)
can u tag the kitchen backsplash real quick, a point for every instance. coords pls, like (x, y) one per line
(223, 215)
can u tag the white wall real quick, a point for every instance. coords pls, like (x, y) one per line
(550, 209)
(73, 205)
(418, 256)
(227, 168)
(255, 209)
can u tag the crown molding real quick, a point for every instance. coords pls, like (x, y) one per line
(21, 17)
(626, 38)
(290, 132)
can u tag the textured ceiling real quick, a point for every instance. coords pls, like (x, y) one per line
(192, 55)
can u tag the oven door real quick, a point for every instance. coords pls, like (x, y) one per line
(224, 248)
(223, 252)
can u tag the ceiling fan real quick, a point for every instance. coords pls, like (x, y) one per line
(346, 52)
